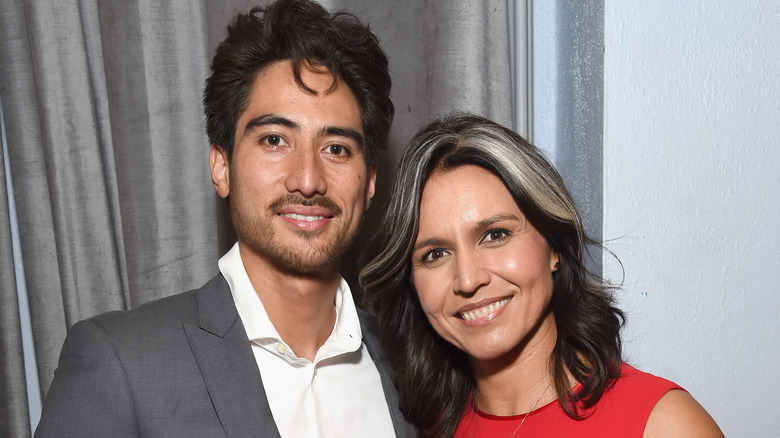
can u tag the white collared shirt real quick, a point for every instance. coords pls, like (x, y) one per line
(339, 394)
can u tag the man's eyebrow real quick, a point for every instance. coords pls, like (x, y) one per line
(344, 132)
(270, 119)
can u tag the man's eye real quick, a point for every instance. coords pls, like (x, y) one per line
(338, 150)
(273, 140)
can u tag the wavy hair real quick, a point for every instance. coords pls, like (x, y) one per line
(299, 31)
(434, 378)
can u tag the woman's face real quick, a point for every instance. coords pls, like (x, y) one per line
(482, 272)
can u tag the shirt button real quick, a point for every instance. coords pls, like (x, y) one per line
(281, 348)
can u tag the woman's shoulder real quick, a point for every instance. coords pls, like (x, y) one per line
(674, 411)
(640, 386)
(677, 413)
(633, 379)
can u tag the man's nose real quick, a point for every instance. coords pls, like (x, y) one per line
(306, 174)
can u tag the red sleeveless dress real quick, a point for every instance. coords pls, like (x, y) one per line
(621, 412)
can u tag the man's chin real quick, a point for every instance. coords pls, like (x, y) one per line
(301, 252)
(307, 260)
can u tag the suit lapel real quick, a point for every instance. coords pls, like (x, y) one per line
(229, 369)
(371, 338)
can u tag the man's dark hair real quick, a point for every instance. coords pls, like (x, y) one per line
(301, 31)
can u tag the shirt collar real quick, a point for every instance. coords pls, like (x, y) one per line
(346, 336)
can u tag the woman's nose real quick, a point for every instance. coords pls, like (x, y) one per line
(470, 273)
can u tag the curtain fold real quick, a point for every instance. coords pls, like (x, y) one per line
(155, 78)
(110, 159)
(76, 148)
(33, 200)
(467, 58)
(14, 413)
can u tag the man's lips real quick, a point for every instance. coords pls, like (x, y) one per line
(306, 218)
(308, 214)
(291, 205)
(482, 309)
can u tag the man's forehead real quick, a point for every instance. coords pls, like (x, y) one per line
(276, 95)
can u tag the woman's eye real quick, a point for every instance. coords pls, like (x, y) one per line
(495, 235)
(433, 255)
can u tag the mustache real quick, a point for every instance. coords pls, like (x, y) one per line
(318, 201)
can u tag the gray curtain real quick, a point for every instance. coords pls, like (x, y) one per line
(108, 158)
(108, 163)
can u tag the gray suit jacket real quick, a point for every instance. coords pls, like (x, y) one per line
(181, 366)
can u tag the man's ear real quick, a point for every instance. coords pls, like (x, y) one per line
(370, 184)
(220, 170)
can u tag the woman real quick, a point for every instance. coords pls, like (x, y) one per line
(495, 325)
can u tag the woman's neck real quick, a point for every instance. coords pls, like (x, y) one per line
(520, 380)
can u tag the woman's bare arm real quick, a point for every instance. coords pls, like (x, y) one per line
(678, 414)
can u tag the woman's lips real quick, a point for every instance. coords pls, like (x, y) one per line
(489, 310)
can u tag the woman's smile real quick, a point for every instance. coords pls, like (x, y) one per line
(482, 312)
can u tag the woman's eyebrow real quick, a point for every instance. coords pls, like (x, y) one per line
(433, 241)
(485, 223)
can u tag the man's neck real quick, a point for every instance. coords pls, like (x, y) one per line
(301, 307)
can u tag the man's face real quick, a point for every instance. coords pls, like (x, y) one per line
(297, 180)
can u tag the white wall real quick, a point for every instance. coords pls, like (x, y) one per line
(691, 182)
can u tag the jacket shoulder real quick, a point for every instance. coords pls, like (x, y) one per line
(164, 313)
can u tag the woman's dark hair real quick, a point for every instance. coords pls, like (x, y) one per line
(299, 31)
(434, 378)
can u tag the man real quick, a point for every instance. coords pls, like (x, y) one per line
(297, 111)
